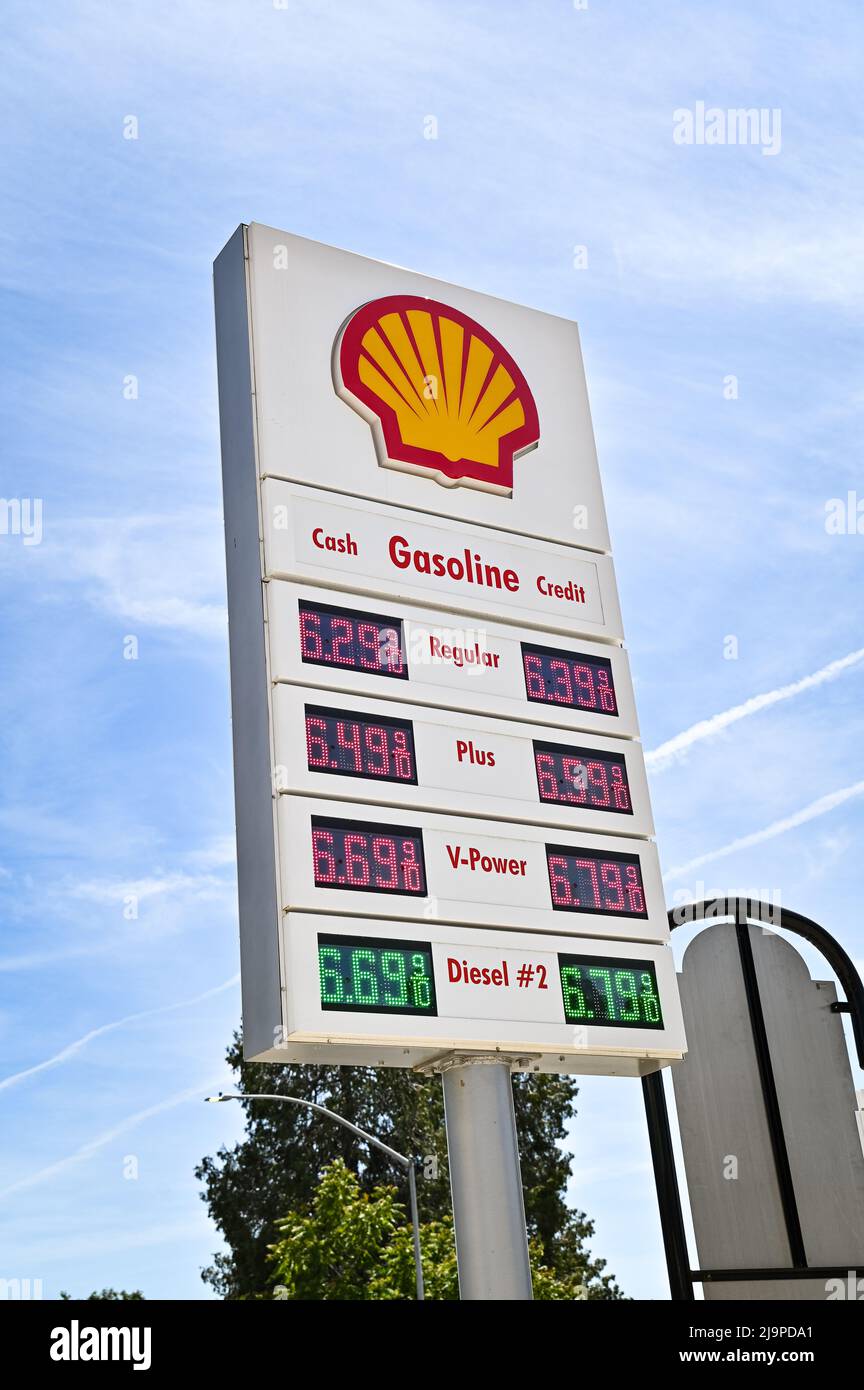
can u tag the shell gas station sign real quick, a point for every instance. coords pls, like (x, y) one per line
(443, 823)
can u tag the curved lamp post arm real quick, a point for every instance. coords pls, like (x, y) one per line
(401, 1159)
(331, 1114)
(743, 908)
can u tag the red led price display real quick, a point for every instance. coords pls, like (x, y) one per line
(354, 745)
(368, 858)
(569, 678)
(584, 880)
(351, 640)
(582, 777)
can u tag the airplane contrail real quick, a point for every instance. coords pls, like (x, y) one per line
(770, 832)
(93, 1145)
(674, 748)
(72, 1048)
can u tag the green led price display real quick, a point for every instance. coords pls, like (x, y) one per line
(361, 975)
(609, 991)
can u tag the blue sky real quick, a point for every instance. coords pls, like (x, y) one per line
(555, 130)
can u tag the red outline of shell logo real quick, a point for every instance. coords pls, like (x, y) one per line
(443, 397)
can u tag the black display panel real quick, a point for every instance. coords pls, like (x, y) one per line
(365, 858)
(359, 974)
(585, 880)
(571, 679)
(352, 640)
(582, 777)
(609, 992)
(360, 745)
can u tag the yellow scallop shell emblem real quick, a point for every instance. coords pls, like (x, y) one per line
(443, 396)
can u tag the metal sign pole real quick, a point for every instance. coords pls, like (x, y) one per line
(485, 1179)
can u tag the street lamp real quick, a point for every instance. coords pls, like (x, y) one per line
(406, 1163)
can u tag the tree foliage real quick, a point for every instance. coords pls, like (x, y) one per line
(275, 1170)
(108, 1295)
(356, 1245)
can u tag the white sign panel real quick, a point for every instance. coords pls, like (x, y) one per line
(355, 545)
(433, 867)
(303, 301)
(363, 750)
(399, 995)
(396, 651)
(435, 738)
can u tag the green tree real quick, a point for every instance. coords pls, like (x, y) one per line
(108, 1295)
(356, 1245)
(276, 1168)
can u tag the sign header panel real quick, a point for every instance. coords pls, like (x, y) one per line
(312, 536)
(382, 383)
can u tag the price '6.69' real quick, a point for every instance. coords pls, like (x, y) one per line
(363, 975)
(368, 858)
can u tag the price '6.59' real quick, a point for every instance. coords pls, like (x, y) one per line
(582, 777)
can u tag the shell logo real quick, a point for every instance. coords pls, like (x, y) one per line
(443, 397)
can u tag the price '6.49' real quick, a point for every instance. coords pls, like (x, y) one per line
(357, 745)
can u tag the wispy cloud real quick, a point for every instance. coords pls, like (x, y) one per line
(199, 887)
(221, 852)
(150, 570)
(111, 1241)
(73, 1048)
(39, 960)
(770, 832)
(788, 254)
(157, 571)
(174, 891)
(719, 275)
(674, 749)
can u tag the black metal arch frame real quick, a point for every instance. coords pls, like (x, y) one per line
(743, 911)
